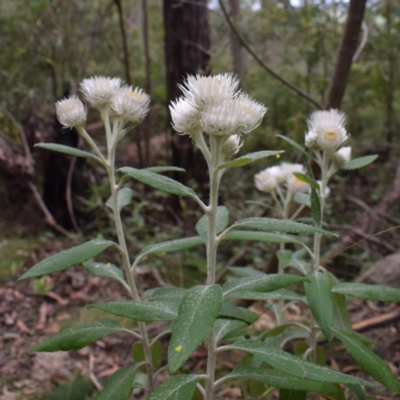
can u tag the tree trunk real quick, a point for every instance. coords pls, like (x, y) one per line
(348, 47)
(187, 44)
(236, 48)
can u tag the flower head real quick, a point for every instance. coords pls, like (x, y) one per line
(203, 91)
(71, 112)
(185, 118)
(251, 113)
(131, 105)
(326, 130)
(342, 156)
(269, 179)
(221, 118)
(293, 183)
(99, 91)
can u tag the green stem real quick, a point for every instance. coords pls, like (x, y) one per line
(212, 246)
(125, 254)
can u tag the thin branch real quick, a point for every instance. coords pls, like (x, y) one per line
(363, 41)
(243, 42)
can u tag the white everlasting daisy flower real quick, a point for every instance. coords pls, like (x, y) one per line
(342, 156)
(131, 105)
(232, 146)
(203, 91)
(71, 112)
(328, 126)
(99, 91)
(185, 117)
(251, 113)
(269, 179)
(221, 118)
(293, 183)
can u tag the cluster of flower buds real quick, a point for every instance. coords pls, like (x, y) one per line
(215, 105)
(326, 132)
(107, 95)
(274, 177)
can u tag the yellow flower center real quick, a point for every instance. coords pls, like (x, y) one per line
(179, 348)
(278, 156)
(299, 181)
(330, 135)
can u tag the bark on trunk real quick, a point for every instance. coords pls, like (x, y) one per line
(348, 47)
(236, 48)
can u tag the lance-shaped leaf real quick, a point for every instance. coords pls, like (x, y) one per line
(293, 143)
(358, 391)
(165, 294)
(232, 311)
(266, 283)
(159, 182)
(262, 237)
(292, 365)
(140, 310)
(243, 272)
(72, 151)
(277, 225)
(221, 224)
(158, 170)
(359, 162)
(368, 360)
(281, 294)
(124, 198)
(119, 384)
(106, 270)
(288, 394)
(67, 258)
(280, 379)
(249, 158)
(171, 246)
(179, 387)
(308, 179)
(224, 326)
(318, 292)
(368, 292)
(79, 336)
(198, 311)
(315, 206)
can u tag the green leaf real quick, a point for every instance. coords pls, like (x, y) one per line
(308, 179)
(266, 283)
(124, 198)
(67, 258)
(72, 151)
(280, 379)
(199, 309)
(106, 270)
(368, 292)
(278, 225)
(224, 326)
(167, 295)
(119, 385)
(359, 162)
(315, 206)
(318, 292)
(369, 361)
(157, 354)
(287, 394)
(231, 311)
(171, 246)
(139, 310)
(158, 170)
(179, 387)
(249, 158)
(299, 264)
(284, 257)
(243, 272)
(293, 143)
(293, 365)
(261, 237)
(222, 223)
(303, 199)
(159, 182)
(79, 336)
(357, 390)
(281, 294)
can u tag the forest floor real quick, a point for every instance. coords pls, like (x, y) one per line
(28, 317)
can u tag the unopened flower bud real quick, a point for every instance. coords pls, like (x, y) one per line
(231, 146)
(71, 112)
(342, 156)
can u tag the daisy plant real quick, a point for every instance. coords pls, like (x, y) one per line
(218, 117)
